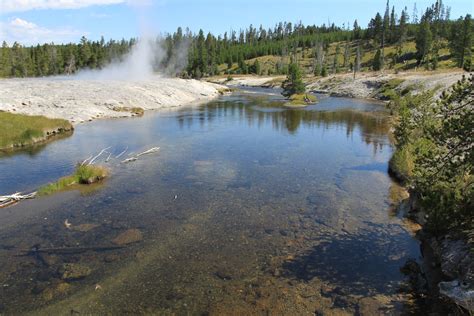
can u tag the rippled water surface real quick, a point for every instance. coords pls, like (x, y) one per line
(248, 208)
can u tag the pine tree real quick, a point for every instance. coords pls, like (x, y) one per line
(356, 31)
(294, 82)
(461, 42)
(402, 28)
(424, 40)
(5, 60)
(386, 25)
(377, 63)
(393, 26)
(378, 29)
(324, 71)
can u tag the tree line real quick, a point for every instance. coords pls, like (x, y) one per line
(206, 53)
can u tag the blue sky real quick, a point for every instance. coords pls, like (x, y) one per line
(33, 21)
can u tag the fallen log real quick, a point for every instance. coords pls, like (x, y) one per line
(147, 152)
(8, 200)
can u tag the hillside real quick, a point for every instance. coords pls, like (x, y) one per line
(397, 58)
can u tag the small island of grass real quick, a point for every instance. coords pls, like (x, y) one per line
(18, 130)
(301, 100)
(294, 89)
(83, 175)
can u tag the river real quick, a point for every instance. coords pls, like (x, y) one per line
(248, 208)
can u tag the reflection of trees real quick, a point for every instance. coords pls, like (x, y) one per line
(373, 127)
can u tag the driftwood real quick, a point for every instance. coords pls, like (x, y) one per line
(149, 151)
(123, 152)
(8, 200)
(84, 162)
(98, 155)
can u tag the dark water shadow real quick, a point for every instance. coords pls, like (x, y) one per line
(366, 263)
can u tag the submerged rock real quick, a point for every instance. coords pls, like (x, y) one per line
(74, 271)
(56, 291)
(457, 263)
(85, 227)
(461, 292)
(128, 237)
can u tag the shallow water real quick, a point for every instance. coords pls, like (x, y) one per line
(248, 208)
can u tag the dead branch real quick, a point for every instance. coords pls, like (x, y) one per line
(149, 151)
(8, 200)
(123, 152)
(134, 158)
(84, 162)
(98, 155)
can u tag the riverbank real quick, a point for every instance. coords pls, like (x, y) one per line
(18, 131)
(78, 100)
(364, 86)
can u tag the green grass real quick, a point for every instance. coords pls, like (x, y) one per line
(86, 174)
(388, 90)
(401, 164)
(18, 130)
(301, 99)
(134, 110)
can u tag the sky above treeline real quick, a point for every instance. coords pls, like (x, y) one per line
(43, 21)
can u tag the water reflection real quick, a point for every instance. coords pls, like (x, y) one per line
(254, 111)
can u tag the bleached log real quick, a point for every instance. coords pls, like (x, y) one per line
(129, 160)
(123, 152)
(84, 162)
(134, 158)
(7, 200)
(98, 155)
(149, 151)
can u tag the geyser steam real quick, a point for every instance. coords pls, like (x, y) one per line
(146, 58)
(136, 65)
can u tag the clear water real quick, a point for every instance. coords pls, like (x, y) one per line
(248, 208)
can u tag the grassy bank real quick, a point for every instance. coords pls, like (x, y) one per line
(82, 175)
(18, 130)
(434, 155)
(301, 100)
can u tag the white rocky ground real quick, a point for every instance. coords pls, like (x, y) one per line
(84, 100)
(251, 81)
(364, 86)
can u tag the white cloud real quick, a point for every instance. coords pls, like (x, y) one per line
(8, 6)
(28, 33)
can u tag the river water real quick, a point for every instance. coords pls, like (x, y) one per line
(248, 208)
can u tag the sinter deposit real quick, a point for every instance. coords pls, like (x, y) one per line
(82, 100)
